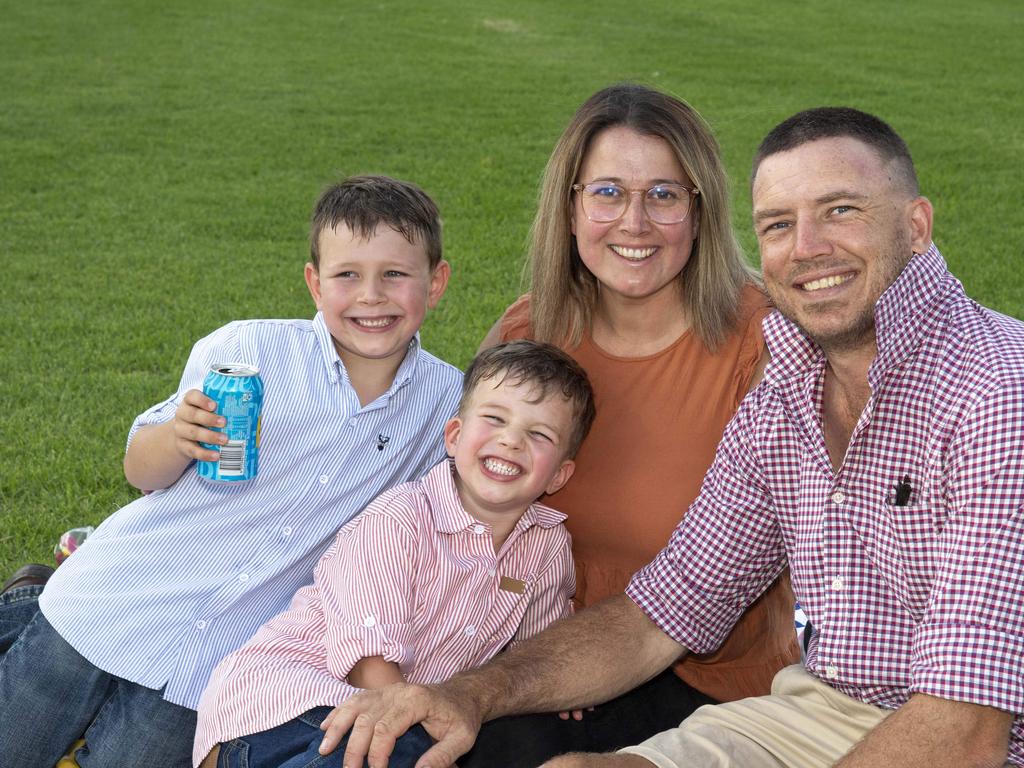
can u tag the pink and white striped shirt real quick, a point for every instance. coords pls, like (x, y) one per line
(414, 579)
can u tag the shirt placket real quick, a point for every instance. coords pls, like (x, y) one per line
(837, 546)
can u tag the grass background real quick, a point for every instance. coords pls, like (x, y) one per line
(158, 163)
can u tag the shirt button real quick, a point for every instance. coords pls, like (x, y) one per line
(838, 497)
(478, 529)
(470, 630)
(286, 531)
(831, 672)
(324, 479)
(243, 577)
(352, 422)
(200, 624)
(369, 621)
(838, 584)
(491, 571)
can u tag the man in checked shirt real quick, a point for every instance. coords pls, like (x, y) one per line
(881, 458)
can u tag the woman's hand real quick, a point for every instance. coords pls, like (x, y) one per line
(576, 714)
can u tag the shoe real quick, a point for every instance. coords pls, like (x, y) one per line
(29, 575)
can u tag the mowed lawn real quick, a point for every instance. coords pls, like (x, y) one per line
(158, 162)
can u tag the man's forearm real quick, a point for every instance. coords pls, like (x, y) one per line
(928, 732)
(586, 659)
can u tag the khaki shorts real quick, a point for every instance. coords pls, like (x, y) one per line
(804, 723)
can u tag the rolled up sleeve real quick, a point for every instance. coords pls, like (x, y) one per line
(969, 645)
(366, 583)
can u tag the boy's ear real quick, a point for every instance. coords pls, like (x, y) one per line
(561, 476)
(313, 283)
(451, 434)
(438, 283)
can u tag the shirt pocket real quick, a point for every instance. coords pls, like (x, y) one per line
(509, 607)
(914, 551)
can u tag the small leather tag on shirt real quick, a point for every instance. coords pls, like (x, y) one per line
(512, 585)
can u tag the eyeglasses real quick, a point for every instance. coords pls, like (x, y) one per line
(604, 202)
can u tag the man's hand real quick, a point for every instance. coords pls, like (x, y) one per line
(591, 657)
(378, 717)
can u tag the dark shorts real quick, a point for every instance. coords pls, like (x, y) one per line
(526, 741)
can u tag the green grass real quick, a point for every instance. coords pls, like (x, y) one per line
(158, 163)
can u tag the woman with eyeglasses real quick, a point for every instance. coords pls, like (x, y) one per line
(636, 273)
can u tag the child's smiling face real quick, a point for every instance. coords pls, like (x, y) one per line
(374, 292)
(509, 448)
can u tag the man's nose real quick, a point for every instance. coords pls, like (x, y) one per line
(811, 240)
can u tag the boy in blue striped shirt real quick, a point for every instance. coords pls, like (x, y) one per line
(123, 641)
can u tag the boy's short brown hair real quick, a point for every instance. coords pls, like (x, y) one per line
(362, 203)
(540, 365)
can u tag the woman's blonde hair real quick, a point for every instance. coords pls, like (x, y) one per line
(563, 290)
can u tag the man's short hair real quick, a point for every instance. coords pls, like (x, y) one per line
(838, 122)
(542, 366)
(362, 203)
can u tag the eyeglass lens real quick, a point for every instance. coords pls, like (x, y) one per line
(663, 203)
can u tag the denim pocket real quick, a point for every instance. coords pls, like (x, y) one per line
(315, 716)
(233, 754)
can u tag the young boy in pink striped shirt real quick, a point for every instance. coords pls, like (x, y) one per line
(436, 576)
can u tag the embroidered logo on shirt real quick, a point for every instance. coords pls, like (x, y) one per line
(382, 440)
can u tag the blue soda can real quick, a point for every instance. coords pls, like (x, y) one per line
(238, 391)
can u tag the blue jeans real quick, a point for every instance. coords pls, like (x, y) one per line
(295, 743)
(50, 696)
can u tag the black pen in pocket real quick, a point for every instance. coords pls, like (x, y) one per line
(904, 489)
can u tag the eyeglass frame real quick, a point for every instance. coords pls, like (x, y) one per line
(693, 192)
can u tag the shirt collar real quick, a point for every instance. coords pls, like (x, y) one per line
(449, 515)
(901, 314)
(336, 368)
(899, 320)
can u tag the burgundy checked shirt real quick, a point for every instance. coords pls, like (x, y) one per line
(926, 595)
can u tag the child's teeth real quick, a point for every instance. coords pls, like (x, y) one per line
(500, 467)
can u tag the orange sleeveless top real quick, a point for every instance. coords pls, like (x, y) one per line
(659, 420)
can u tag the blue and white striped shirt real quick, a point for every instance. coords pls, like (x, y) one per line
(175, 580)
